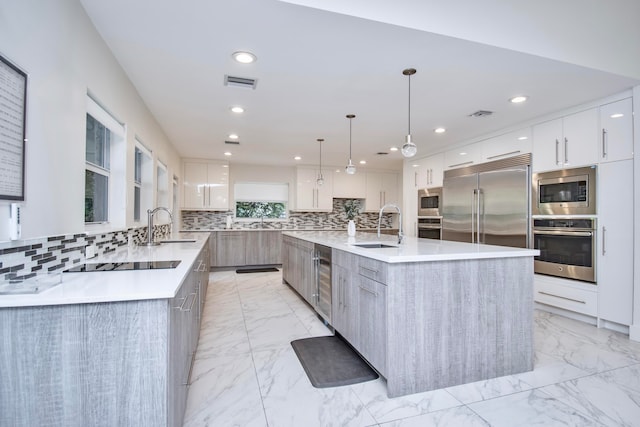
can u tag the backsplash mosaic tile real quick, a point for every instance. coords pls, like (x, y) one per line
(335, 220)
(23, 259)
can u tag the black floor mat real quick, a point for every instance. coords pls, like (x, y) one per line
(256, 270)
(330, 362)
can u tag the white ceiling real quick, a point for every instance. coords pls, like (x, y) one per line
(313, 68)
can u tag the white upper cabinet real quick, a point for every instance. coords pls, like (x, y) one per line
(566, 142)
(347, 186)
(616, 131)
(309, 195)
(382, 188)
(206, 185)
(433, 171)
(615, 241)
(507, 145)
(463, 156)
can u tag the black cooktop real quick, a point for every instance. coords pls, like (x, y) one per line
(123, 266)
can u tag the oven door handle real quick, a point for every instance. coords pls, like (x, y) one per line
(564, 233)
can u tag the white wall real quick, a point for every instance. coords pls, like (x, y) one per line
(57, 45)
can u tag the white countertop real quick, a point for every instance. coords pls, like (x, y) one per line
(412, 249)
(110, 286)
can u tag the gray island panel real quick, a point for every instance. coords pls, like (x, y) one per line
(444, 313)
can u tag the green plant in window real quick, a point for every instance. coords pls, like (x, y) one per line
(260, 210)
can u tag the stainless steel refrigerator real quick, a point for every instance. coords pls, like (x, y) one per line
(488, 203)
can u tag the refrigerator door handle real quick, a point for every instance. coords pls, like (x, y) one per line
(479, 215)
(473, 205)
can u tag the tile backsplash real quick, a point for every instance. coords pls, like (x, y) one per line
(335, 220)
(24, 259)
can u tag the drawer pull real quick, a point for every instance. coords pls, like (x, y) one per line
(181, 306)
(558, 296)
(369, 269)
(369, 290)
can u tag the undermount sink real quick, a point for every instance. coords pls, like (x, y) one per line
(373, 245)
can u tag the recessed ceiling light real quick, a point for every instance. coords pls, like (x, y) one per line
(439, 130)
(393, 149)
(518, 99)
(237, 109)
(616, 115)
(227, 153)
(522, 138)
(297, 158)
(244, 57)
(225, 166)
(363, 162)
(463, 153)
(233, 136)
(415, 166)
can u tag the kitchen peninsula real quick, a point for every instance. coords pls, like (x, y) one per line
(426, 314)
(106, 347)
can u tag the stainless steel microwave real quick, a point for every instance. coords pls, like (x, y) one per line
(429, 201)
(565, 192)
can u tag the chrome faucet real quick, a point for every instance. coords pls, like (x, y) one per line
(391, 205)
(150, 214)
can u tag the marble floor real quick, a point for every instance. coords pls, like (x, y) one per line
(246, 373)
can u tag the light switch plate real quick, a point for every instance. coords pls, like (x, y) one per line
(90, 251)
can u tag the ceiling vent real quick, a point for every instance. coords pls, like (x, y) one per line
(240, 82)
(232, 142)
(481, 113)
(382, 153)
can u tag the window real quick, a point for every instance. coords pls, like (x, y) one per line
(162, 191)
(96, 180)
(103, 133)
(261, 200)
(142, 197)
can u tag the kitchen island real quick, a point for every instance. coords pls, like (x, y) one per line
(426, 314)
(108, 347)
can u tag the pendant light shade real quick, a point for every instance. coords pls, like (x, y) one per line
(320, 179)
(350, 169)
(409, 149)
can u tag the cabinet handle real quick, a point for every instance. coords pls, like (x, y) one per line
(604, 234)
(510, 153)
(604, 147)
(193, 358)
(558, 296)
(192, 302)
(415, 179)
(566, 150)
(461, 164)
(557, 154)
(369, 269)
(368, 290)
(181, 306)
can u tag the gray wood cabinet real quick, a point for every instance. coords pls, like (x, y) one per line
(263, 247)
(240, 248)
(298, 269)
(102, 364)
(230, 248)
(360, 305)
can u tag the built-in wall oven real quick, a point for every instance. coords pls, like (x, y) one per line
(430, 227)
(429, 201)
(565, 192)
(567, 247)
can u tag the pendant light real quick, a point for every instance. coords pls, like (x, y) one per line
(409, 149)
(350, 169)
(320, 179)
